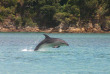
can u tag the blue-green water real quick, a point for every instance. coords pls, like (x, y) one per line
(86, 54)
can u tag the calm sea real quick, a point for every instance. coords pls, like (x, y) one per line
(86, 54)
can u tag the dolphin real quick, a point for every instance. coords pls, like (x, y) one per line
(51, 42)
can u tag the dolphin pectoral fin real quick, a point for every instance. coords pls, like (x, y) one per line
(56, 46)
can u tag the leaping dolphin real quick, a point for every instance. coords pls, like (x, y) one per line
(51, 42)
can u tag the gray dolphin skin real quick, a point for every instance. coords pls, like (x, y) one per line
(51, 42)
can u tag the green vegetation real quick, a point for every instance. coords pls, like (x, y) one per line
(51, 13)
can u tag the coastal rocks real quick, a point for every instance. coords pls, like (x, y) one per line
(93, 28)
(4, 30)
(13, 29)
(60, 30)
(90, 25)
(77, 30)
(49, 30)
(31, 29)
(97, 27)
(4, 27)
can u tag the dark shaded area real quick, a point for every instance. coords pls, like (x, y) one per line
(62, 2)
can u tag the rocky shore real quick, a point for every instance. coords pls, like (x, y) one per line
(51, 30)
(8, 26)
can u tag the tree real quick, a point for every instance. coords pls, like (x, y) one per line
(46, 15)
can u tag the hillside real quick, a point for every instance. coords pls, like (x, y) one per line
(55, 16)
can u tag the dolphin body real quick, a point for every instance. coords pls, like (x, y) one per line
(51, 42)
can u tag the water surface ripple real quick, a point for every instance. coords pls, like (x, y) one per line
(86, 54)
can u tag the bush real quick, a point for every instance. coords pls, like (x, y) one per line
(108, 22)
(5, 11)
(1, 19)
(66, 18)
(18, 22)
(28, 22)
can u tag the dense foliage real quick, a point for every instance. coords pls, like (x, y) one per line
(51, 13)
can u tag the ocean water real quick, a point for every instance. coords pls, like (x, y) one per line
(86, 54)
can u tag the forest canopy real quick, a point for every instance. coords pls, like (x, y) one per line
(51, 13)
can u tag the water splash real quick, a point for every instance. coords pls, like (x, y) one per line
(27, 50)
(41, 50)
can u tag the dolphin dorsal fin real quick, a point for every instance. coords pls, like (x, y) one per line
(46, 36)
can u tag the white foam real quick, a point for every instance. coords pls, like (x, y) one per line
(27, 50)
(41, 49)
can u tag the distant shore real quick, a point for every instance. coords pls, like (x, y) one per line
(51, 30)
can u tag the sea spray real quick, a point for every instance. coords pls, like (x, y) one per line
(27, 50)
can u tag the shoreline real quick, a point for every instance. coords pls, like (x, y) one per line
(37, 30)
